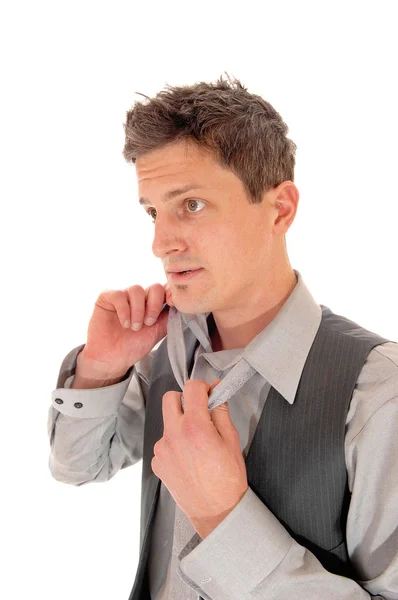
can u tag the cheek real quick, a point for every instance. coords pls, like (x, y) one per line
(229, 246)
(212, 239)
(228, 251)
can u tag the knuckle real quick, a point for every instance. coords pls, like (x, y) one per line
(106, 295)
(107, 291)
(118, 298)
(167, 440)
(162, 445)
(157, 448)
(134, 288)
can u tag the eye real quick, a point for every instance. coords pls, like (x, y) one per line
(194, 202)
(188, 202)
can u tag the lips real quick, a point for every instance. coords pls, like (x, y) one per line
(184, 276)
(183, 269)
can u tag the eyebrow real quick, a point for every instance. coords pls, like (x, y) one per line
(173, 193)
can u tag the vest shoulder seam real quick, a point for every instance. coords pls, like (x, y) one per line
(324, 325)
(376, 349)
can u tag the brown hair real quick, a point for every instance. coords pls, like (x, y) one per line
(242, 130)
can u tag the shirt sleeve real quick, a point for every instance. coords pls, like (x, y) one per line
(94, 433)
(251, 555)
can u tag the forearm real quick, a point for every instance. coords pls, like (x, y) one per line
(89, 375)
(251, 555)
(95, 432)
(80, 449)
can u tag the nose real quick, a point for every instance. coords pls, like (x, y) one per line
(168, 236)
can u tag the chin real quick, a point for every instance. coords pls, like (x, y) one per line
(189, 310)
(190, 307)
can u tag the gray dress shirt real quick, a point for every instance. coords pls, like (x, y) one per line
(249, 554)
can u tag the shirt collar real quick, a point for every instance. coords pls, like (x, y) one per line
(280, 350)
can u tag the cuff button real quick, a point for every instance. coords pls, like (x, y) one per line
(78, 405)
(59, 401)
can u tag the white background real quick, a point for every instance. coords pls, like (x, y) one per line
(71, 225)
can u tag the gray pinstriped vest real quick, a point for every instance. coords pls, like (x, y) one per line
(296, 462)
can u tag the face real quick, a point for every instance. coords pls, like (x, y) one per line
(210, 226)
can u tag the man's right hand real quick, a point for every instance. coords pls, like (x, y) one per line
(112, 348)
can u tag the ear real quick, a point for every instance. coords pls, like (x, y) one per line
(286, 204)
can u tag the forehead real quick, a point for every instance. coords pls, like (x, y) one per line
(172, 167)
(175, 158)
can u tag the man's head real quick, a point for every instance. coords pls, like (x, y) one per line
(231, 148)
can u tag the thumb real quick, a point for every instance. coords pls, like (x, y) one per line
(213, 385)
(221, 417)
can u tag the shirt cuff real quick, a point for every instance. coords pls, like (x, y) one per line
(238, 554)
(89, 404)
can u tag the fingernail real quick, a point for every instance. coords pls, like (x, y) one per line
(149, 321)
(136, 326)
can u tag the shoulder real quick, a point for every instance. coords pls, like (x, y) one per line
(376, 388)
(381, 366)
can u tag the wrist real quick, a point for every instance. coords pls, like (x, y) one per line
(91, 373)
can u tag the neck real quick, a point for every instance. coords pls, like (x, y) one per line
(237, 327)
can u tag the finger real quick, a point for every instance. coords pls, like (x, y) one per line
(169, 297)
(136, 298)
(116, 300)
(196, 399)
(154, 300)
(221, 418)
(214, 384)
(171, 411)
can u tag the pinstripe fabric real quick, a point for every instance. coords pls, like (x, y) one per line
(296, 461)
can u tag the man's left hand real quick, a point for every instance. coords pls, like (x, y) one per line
(199, 458)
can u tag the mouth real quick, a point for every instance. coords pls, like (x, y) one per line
(184, 275)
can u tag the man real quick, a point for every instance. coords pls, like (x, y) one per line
(266, 423)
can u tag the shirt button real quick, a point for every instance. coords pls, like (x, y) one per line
(78, 405)
(59, 401)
